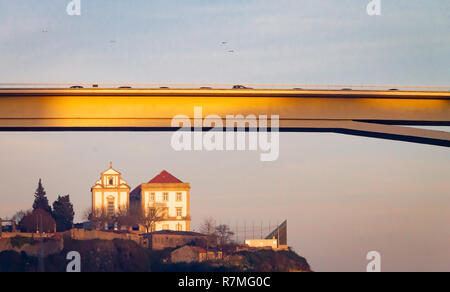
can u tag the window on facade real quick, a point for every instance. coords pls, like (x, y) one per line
(165, 197)
(152, 197)
(179, 227)
(166, 227)
(179, 212)
(179, 197)
(111, 207)
(111, 181)
(152, 212)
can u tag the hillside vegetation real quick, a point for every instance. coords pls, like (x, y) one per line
(127, 256)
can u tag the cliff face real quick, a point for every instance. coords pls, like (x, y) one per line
(273, 261)
(30, 246)
(127, 256)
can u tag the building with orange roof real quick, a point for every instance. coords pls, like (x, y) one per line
(168, 194)
(164, 193)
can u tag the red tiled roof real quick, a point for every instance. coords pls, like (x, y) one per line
(164, 178)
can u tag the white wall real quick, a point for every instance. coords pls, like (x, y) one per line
(172, 204)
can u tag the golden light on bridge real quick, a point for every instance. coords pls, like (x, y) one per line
(298, 110)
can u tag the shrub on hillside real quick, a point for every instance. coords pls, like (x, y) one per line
(19, 241)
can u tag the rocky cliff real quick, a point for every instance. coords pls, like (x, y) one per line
(127, 256)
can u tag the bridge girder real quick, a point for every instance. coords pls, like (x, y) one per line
(359, 112)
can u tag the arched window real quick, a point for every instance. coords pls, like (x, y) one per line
(111, 206)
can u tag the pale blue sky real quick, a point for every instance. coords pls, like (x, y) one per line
(343, 196)
(180, 41)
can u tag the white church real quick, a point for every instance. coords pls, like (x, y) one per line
(111, 194)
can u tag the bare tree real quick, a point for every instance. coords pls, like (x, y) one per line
(150, 216)
(19, 216)
(87, 214)
(98, 218)
(208, 228)
(224, 235)
(123, 218)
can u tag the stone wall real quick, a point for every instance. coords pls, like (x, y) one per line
(14, 234)
(56, 244)
(82, 234)
(161, 241)
(187, 254)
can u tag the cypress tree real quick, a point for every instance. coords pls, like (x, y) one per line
(40, 199)
(63, 213)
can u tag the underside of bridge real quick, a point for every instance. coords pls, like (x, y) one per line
(369, 113)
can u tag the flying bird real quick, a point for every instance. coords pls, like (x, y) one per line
(44, 30)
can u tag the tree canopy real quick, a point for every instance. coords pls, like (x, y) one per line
(38, 220)
(63, 213)
(40, 199)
